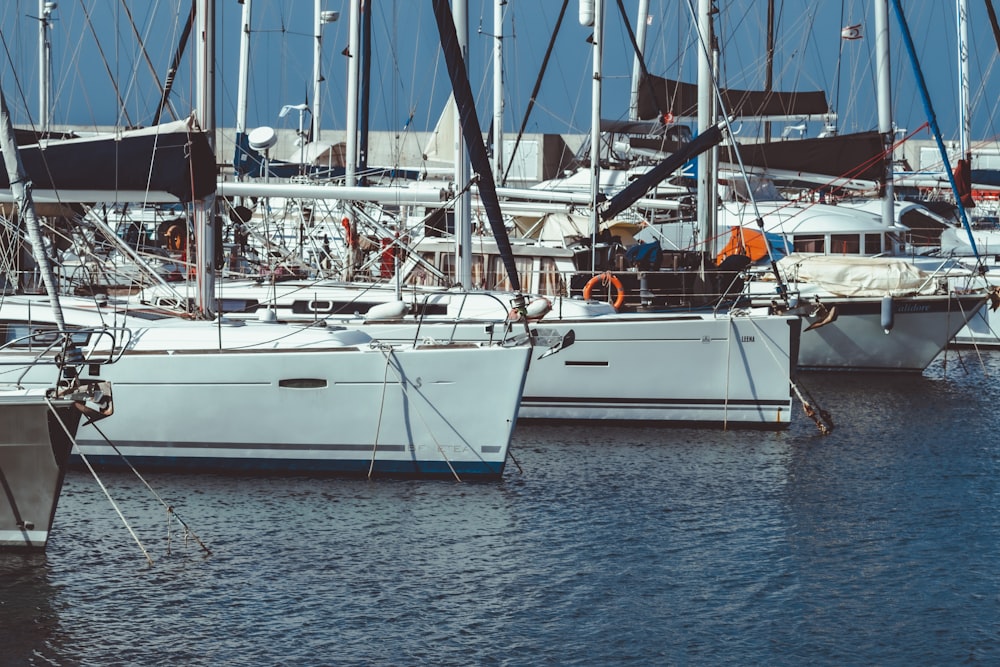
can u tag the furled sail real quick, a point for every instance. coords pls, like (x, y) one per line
(168, 163)
(473, 137)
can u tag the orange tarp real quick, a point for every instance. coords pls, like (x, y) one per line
(744, 241)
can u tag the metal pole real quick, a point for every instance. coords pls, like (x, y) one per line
(463, 169)
(353, 66)
(640, 39)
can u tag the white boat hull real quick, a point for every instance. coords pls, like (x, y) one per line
(255, 397)
(735, 370)
(856, 340)
(415, 413)
(729, 371)
(982, 330)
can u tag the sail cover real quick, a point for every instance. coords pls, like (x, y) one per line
(662, 96)
(859, 156)
(473, 136)
(172, 162)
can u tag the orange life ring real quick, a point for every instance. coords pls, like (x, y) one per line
(346, 223)
(176, 237)
(604, 279)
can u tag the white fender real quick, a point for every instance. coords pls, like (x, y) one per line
(888, 313)
(391, 310)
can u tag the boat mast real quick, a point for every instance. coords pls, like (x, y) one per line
(706, 195)
(769, 68)
(641, 22)
(964, 110)
(353, 60)
(498, 6)
(317, 70)
(463, 170)
(45, 9)
(21, 189)
(204, 260)
(592, 14)
(365, 90)
(884, 97)
(242, 85)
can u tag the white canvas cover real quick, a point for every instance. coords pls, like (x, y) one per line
(857, 276)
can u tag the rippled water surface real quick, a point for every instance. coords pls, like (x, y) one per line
(877, 544)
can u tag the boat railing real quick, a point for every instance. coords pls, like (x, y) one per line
(42, 347)
(458, 316)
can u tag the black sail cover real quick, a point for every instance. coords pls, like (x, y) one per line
(174, 159)
(473, 137)
(658, 95)
(859, 155)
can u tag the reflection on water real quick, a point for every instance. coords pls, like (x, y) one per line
(27, 616)
(876, 544)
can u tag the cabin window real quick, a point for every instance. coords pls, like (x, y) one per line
(420, 276)
(873, 244)
(845, 244)
(810, 243)
(498, 274)
(25, 336)
(238, 305)
(478, 272)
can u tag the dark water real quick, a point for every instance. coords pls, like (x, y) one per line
(878, 544)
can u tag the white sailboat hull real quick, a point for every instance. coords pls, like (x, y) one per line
(255, 397)
(685, 369)
(857, 340)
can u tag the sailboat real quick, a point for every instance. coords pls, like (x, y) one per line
(883, 326)
(621, 367)
(213, 394)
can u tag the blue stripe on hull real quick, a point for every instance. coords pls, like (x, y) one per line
(466, 470)
(758, 414)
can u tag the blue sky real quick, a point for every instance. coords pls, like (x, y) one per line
(409, 76)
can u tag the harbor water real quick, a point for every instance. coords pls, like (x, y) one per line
(605, 545)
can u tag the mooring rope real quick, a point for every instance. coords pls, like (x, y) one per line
(972, 337)
(149, 558)
(381, 411)
(819, 416)
(171, 512)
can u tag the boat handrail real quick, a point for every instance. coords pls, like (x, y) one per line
(41, 343)
(458, 318)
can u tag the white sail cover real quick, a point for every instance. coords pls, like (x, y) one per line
(857, 276)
